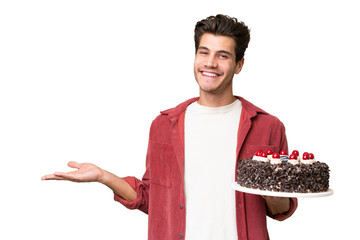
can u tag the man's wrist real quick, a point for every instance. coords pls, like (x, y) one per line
(104, 177)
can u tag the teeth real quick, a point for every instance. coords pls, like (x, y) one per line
(209, 74)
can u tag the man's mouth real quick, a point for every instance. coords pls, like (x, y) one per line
(209, 74)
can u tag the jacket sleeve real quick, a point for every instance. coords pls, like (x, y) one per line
(293, 201)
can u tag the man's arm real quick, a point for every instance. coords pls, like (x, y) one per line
(118, 186)
(88, 172)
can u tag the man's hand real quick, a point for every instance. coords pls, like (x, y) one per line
(277, 205)
(86, 172)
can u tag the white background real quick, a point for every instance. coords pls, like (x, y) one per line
(82, 80)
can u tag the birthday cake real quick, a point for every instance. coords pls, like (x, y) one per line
(282, 173)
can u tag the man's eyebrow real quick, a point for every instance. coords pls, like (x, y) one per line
(220, 51)
(202, 47)
(226, 52)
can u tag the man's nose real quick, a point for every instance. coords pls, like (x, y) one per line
(211, 62)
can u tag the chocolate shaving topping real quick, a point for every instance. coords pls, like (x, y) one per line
(284, 177)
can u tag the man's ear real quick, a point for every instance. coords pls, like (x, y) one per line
(239, 66)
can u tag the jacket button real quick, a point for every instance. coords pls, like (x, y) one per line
(181, 207)
(180, 236)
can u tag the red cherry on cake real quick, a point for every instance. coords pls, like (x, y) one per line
(269, 152)
(296, 152)
(306, 156)
(276, 155)
(263, 154)
(311, 156)
(283, 152)
(293, 157)
(258, 153)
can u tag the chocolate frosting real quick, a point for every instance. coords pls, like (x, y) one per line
(284, 177)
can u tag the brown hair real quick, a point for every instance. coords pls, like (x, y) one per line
(224, 26)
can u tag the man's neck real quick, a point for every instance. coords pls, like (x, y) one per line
(213, 100)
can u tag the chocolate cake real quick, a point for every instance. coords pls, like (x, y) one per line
(300, 177)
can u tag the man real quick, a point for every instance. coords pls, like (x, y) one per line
(194, 149)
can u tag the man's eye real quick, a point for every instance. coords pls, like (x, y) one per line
(223, 56)
(202, 53)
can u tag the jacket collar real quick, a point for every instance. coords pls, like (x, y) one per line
(250, 109)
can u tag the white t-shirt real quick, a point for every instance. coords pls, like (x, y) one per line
(210, 162)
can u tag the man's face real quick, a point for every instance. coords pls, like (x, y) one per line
(215, 64)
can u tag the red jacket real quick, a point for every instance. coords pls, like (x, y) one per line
(160, 193)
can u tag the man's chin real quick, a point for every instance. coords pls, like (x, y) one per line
(208, 90)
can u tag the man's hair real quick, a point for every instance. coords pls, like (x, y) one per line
(223, 25)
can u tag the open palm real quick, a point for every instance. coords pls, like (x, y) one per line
(86, 172)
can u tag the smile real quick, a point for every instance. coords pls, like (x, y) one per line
(209, 74)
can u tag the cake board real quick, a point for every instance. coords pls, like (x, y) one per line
(237, 187)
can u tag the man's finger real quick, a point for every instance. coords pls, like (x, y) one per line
(52, 177)
(74, 164)
(65, 175)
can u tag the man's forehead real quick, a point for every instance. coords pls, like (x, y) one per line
(217, 43)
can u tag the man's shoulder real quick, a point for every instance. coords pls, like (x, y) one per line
(172, 114)
(258, 114)
(179, 108)
(267, 120)
(250, 107)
